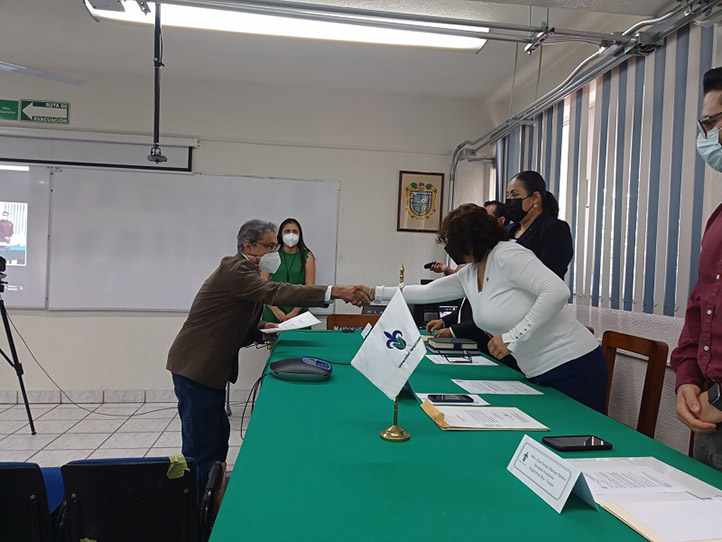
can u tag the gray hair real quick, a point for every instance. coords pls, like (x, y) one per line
(253, 230)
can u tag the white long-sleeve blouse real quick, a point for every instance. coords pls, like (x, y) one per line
(521, 299)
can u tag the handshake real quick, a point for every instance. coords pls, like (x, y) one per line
(356, 295)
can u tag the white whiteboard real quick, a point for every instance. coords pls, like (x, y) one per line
(147, 240)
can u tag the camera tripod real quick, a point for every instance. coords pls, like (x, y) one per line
(14, 362)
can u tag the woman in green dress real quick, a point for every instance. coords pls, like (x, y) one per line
(298, 266)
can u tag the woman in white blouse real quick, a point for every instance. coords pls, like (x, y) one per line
(518, 300)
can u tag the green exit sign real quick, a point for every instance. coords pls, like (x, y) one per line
(9, 110)
(45, 112)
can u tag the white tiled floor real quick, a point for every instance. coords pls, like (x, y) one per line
(68, 432)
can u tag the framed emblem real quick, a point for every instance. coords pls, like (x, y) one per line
(420, 201)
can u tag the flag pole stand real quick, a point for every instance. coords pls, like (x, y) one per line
(394, 433)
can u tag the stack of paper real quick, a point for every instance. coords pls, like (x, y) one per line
(658, 501)
(451, 343)
(672, 521)
(458, 418)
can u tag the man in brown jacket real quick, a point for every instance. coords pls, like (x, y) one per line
(225, 316)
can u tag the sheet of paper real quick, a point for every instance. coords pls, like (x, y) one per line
(478, 401)
(505, 387)
(630, 480)
(460, 360)
(678, 521)
(653, 465)
(489, 418)
(305, 319)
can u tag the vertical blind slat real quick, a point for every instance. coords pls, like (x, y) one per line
(634, 163)
(650, 264)
(619, 195)
(619, 156)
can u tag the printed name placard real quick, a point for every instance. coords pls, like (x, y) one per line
(549, 476)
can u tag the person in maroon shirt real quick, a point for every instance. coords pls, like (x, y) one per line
(6, 228)
(697, 360)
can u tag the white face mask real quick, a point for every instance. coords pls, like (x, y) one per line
(290, 240)
(270, 262)
(710, 149)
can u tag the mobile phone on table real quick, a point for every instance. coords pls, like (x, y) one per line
(577, 443)
(450, 398)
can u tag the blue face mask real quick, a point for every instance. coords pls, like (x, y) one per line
(710, 149)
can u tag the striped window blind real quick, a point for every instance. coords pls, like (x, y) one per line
(620, 156)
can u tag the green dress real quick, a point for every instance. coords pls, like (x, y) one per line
(291, 271)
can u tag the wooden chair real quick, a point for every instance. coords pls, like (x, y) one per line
(351, 320)
(656, 352)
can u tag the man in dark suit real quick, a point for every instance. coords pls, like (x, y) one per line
(224, 317)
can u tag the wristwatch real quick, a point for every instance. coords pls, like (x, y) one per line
(715, 399)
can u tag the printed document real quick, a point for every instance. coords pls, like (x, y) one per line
(630, 480)
(502, 387)
(470, 418)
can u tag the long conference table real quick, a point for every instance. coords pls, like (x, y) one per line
(313, 466)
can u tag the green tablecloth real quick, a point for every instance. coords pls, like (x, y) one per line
(313, 466)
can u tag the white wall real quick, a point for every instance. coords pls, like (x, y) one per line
(360, 139)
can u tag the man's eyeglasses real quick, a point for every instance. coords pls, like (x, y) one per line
(706, 124)
(272, 246)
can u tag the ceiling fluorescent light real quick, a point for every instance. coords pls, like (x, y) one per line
(4, 167)
(286, 26)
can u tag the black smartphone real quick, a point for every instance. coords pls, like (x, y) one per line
(450, 398)
(577, 443)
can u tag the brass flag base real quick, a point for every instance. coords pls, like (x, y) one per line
(395, 433)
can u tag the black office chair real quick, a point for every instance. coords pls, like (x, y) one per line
(29, 498)
(117, 500)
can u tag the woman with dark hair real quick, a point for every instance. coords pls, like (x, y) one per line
(520, 302)
(534, 212)
(298, 266)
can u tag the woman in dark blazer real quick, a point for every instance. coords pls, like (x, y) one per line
(533, 212)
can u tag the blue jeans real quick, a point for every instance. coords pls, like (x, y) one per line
(204, 423)
(584, 379)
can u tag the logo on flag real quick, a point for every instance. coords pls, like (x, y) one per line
(386, 358)
(395, 340)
